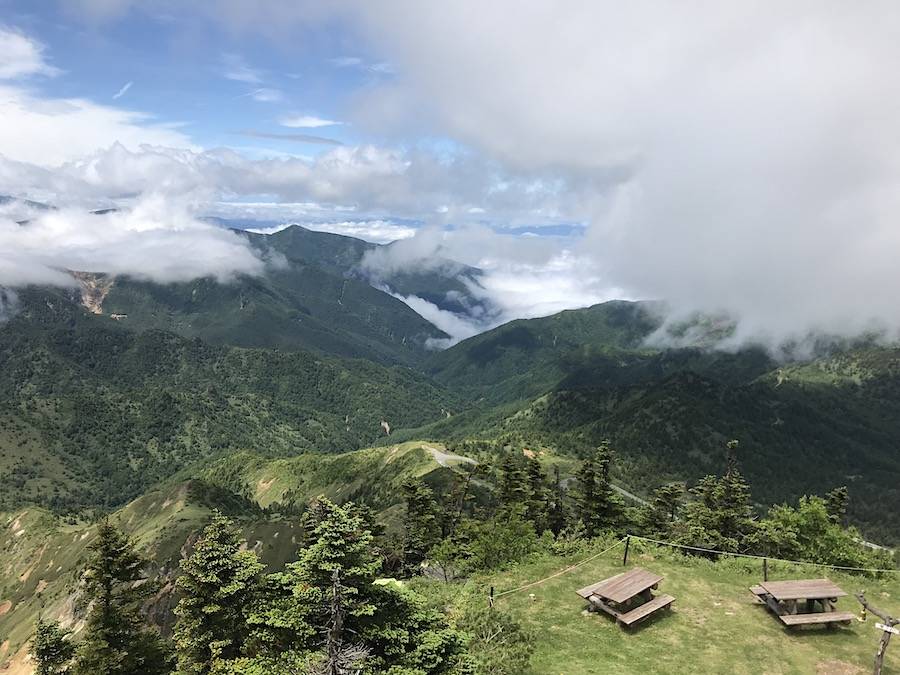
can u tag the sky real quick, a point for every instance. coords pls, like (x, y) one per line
(723, 157)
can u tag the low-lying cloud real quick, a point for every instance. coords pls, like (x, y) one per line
(518, 277)
(156, 239)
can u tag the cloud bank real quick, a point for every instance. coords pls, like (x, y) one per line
(157, 240)
(757, 146)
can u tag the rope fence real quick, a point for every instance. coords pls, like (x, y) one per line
(764, 557)
(626, 540)
(561, 572)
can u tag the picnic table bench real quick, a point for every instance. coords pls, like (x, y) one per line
(784, 598)
(628, 597)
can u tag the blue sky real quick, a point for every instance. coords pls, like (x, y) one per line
(200, 75)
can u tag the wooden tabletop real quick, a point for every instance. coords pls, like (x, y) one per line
(802, 589)
(623, 586)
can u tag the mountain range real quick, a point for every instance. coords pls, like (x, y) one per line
(115, 385)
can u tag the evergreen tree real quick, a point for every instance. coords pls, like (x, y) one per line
(721, 516)
(50, 648)
(836, 504)
(420, 524)
(327, 607)
(598, 506)
(537, 505)
(116, 641)
(513, 487)
(556, 516)
(218, 580)
(733, 496)
(661, 513)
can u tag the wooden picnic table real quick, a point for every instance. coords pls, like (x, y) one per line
(628, 596)
(783, 598)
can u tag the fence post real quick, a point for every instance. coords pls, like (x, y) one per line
(625, 557)
(765, 569)
(491, 598)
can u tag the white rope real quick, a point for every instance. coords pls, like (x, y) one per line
(762, 557)
(561, 572)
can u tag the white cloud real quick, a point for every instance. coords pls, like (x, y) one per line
(306, 122)
(521, 277)
(157, 239)
(21, 56)
(235, 68)
(125, 87)
(732, 156)
(266, 95)
(49, 131)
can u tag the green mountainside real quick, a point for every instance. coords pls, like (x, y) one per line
(92, 414)
(571, 380)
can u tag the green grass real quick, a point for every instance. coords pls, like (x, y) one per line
(716, 626)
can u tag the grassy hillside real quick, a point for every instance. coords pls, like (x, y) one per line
(107, 412)
(371, 476)
(716, 625)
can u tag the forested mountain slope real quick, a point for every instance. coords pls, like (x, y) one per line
(92, 414)
(586, 376)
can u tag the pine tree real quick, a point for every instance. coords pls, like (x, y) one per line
(50, 648)
(662, 511)
(836, 504)
(537, 505)
(328, 608)
(556, 516)
(598, 506)
(420, 524)
(734, 507)
(218, 581)
(116, 641)
(513, 488)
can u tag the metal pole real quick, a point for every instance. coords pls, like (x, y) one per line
(765, 569)
(625, 557)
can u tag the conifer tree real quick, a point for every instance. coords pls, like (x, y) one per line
(327, 608)
(218, 581)
(537, 505)
(556, 516)
(116, 641)
(420, 524)
(513, 488)
(50, 648)
(662, 511)
(598, 506)
(836, 504)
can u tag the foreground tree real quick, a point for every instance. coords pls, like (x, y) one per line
(598, 506)
(218, 581)
(420, 524)
(50, 648)
(329, 608)
(660, 514)
(116, 640)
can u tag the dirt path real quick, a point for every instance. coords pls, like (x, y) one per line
(444, 458)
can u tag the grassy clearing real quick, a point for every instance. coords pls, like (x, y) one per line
(715, 626)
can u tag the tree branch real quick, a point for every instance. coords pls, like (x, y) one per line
(884, 616)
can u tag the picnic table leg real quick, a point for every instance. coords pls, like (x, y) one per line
(810, 606)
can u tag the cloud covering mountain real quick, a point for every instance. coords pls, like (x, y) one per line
(737, 158)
